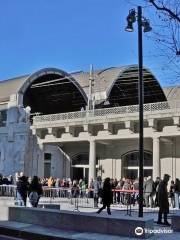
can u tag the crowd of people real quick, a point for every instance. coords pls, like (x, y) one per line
(124, 191)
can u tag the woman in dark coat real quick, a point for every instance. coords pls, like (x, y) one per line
(35, 191)
(107, 196)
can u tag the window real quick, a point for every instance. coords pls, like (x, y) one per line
(47, 156)
(47, 164)
(3, 118)
(130, 164)
(82, 159)
(132, 159)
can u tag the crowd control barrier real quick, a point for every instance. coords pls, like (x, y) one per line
(8, 190)
(127, 198)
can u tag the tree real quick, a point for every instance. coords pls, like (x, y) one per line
(166, 30)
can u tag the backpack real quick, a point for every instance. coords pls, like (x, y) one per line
(33, 198)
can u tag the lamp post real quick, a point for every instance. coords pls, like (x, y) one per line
(142, 22)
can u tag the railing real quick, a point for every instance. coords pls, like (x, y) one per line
(8, 190)
(171, 106)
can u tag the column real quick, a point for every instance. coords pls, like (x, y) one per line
(92, 160)
(156, 158)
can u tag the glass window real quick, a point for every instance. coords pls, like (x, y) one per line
(82, 159)
(148, 161)
(3, 118)
(47, 156)
(132, 159)
(147, 172)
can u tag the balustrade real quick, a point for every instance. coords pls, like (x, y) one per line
(169, 107)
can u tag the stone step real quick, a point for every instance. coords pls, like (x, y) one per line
(31, 231)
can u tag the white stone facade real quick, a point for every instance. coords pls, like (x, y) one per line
(88, 143)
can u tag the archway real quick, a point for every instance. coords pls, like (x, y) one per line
(51, 90)
(124, 90)
(130, 164)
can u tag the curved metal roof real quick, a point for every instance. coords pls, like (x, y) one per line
(124, 89)
(117, 84)
(47, 90)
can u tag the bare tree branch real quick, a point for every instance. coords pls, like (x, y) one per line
(165, 9)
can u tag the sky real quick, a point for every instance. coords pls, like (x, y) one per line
(69, 35)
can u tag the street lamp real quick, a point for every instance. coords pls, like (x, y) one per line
(142, 23)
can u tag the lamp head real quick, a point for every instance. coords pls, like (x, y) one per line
(129, 27)
(131, 18)
(146, 25)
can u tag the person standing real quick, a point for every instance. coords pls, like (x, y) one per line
(96, 188)
(163, 200)
(107, 196)
(149, 191)
(22, 189)
(171, 193)
(177, 193)
(35, 191)
(156, 185)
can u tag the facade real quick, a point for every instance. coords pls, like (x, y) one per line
(74, 125)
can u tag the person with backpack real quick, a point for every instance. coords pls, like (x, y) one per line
(35, 191)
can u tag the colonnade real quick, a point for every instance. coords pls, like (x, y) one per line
(156, 158)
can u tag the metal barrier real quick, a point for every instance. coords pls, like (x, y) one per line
(54, 192)
(8, 190)
(82, 199)
(127, 200)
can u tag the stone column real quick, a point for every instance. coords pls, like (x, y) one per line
(92, 160)
(156, 157)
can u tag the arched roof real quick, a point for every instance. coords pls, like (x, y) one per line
(48, 71)
(118, 85)
(124, 89)
(47, 91)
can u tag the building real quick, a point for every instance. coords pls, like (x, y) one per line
(49, 125)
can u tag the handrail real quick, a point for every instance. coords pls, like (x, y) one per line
(170, 106)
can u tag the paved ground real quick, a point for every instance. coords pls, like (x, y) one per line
(118, 211)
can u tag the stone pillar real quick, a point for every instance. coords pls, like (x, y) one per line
(92, 160)
(156, 158)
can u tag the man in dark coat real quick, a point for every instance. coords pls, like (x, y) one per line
(163, 200)
(22, 189)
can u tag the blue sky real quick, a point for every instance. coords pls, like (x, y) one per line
(67, 34)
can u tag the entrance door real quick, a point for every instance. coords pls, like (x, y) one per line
(80, 166)
(130, 164)
(78, 173)
(131, 173)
